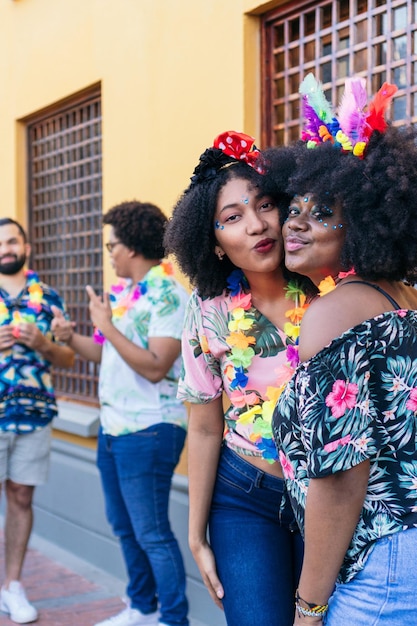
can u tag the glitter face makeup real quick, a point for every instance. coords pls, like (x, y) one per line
(245, 199)
(314, 236)
(319, 212)
(251, 238)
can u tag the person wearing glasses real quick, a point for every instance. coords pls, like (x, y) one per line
(136, 340)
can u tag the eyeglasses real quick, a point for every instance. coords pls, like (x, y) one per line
(110, 245)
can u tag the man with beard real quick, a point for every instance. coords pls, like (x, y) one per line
(27, 402)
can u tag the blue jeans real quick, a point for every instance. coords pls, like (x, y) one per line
(136, 472)
(258, 551)
(383, 593)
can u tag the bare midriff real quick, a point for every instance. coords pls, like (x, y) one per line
(269, 468)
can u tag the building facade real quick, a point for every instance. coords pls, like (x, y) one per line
(108, 100)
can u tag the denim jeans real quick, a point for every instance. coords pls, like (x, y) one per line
(136, 472)
(258, 551)
(383, 593)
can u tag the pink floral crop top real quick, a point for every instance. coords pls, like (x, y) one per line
(229, 346)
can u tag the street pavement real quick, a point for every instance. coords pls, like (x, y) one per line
(66, 590)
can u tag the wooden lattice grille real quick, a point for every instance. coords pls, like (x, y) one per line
(336, 39)
(65, 218)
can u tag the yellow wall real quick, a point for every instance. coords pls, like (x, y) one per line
(174, 73)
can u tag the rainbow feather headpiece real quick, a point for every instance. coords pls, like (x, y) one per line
(356, 121)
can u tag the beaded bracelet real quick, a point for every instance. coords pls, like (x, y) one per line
(312, 613)
(314, 610)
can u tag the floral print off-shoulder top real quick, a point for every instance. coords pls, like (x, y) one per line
(356, 400)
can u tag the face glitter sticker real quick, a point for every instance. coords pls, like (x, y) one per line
(217, 225)
(322, 213)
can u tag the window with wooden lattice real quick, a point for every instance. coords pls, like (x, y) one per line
(335, 39)
(65, 217)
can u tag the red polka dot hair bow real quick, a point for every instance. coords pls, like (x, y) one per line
(240, 147)
(228, 148)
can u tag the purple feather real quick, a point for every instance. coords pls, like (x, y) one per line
(312, 120)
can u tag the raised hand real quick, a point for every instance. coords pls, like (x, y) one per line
(100, 310)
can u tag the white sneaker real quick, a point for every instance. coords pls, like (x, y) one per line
(14, 601)
(131, 617)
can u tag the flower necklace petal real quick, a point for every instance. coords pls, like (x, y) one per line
(328, 284)
(292, 328)
(4, 312)
(121, 302)
(33, 303)
(258, 412)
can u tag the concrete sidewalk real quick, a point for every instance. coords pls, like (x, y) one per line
(66, 590)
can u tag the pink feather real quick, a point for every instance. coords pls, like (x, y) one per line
(351, 110)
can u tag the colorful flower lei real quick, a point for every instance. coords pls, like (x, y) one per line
(33, 304)
(125, 302)
(240, 341)
(241, 353)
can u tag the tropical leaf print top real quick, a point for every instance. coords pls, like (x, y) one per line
(129, 402)
(355, 400)
(27, 400)
(209, 371)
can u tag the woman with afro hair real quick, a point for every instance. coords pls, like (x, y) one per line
(226, 235)
(345, 425)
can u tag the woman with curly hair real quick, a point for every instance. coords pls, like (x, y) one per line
(345, 425)
(226, 235)
(143, 425)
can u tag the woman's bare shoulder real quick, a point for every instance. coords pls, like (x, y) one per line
(331, 315)
(345, 307)
(321, 323)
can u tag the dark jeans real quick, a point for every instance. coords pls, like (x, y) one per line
(258, 550)
(136, 472)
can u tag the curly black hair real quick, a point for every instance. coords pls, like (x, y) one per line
(190, 233)
(280, 164)
(140, 226)
(378, 197)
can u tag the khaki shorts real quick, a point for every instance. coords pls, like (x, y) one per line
(25, 458)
